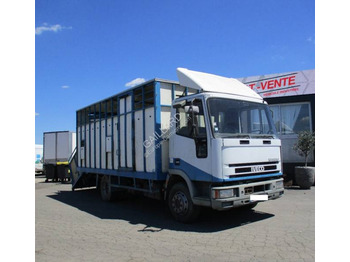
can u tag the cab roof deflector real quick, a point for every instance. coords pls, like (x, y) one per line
(213, 83)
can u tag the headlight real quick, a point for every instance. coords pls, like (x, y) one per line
(224, 193)
(279, 184)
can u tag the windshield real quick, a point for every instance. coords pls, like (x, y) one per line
(240, 119)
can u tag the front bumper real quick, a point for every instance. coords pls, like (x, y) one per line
(242, 193)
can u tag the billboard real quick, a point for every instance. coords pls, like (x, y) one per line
(283, 84)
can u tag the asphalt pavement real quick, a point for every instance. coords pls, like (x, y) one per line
(79, 226)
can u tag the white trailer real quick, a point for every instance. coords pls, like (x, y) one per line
(38, 159)
(206, 140)
(58, 147)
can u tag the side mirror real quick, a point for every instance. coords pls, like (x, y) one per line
(192, 109)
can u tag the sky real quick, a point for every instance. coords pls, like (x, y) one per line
(88, 50)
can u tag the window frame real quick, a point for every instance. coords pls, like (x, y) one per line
(242, 124)
(279, 130)
(204, 119)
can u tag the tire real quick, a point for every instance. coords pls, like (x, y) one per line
(181, 205)
(106, 189)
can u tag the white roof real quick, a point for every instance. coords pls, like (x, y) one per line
(214, 83)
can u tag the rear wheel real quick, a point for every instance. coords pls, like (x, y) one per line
(181, 205)
(106, 189)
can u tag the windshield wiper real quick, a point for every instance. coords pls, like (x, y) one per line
(263, 136)
(238, 136)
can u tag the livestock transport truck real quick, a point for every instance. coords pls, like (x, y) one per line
(205, 141)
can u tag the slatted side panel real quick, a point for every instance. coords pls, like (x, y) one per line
(129, 132)
(139, 146)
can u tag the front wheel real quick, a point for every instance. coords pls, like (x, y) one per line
(181, 205)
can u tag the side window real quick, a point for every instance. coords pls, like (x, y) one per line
(193, 126)
(199, 119)
(185, 125)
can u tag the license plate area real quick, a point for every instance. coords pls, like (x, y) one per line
(248, 190)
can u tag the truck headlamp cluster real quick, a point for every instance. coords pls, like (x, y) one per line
(224, 193)
(279, 184)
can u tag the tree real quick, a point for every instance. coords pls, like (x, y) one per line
(305, 144)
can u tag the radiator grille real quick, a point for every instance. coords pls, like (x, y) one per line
(246, 169)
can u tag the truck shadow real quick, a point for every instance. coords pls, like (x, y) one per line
(154, 214)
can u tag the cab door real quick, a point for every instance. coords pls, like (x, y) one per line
(189, 147)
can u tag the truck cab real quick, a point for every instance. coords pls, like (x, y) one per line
(223, 147)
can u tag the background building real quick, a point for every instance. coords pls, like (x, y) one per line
(291, 97)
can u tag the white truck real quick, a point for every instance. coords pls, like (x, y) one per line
(58, 147)
(206, 141)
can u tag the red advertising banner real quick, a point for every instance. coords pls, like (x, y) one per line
(284, 84)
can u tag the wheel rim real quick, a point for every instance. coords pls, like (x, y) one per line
(179, 203)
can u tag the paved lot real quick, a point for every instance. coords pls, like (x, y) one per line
(79, 226)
